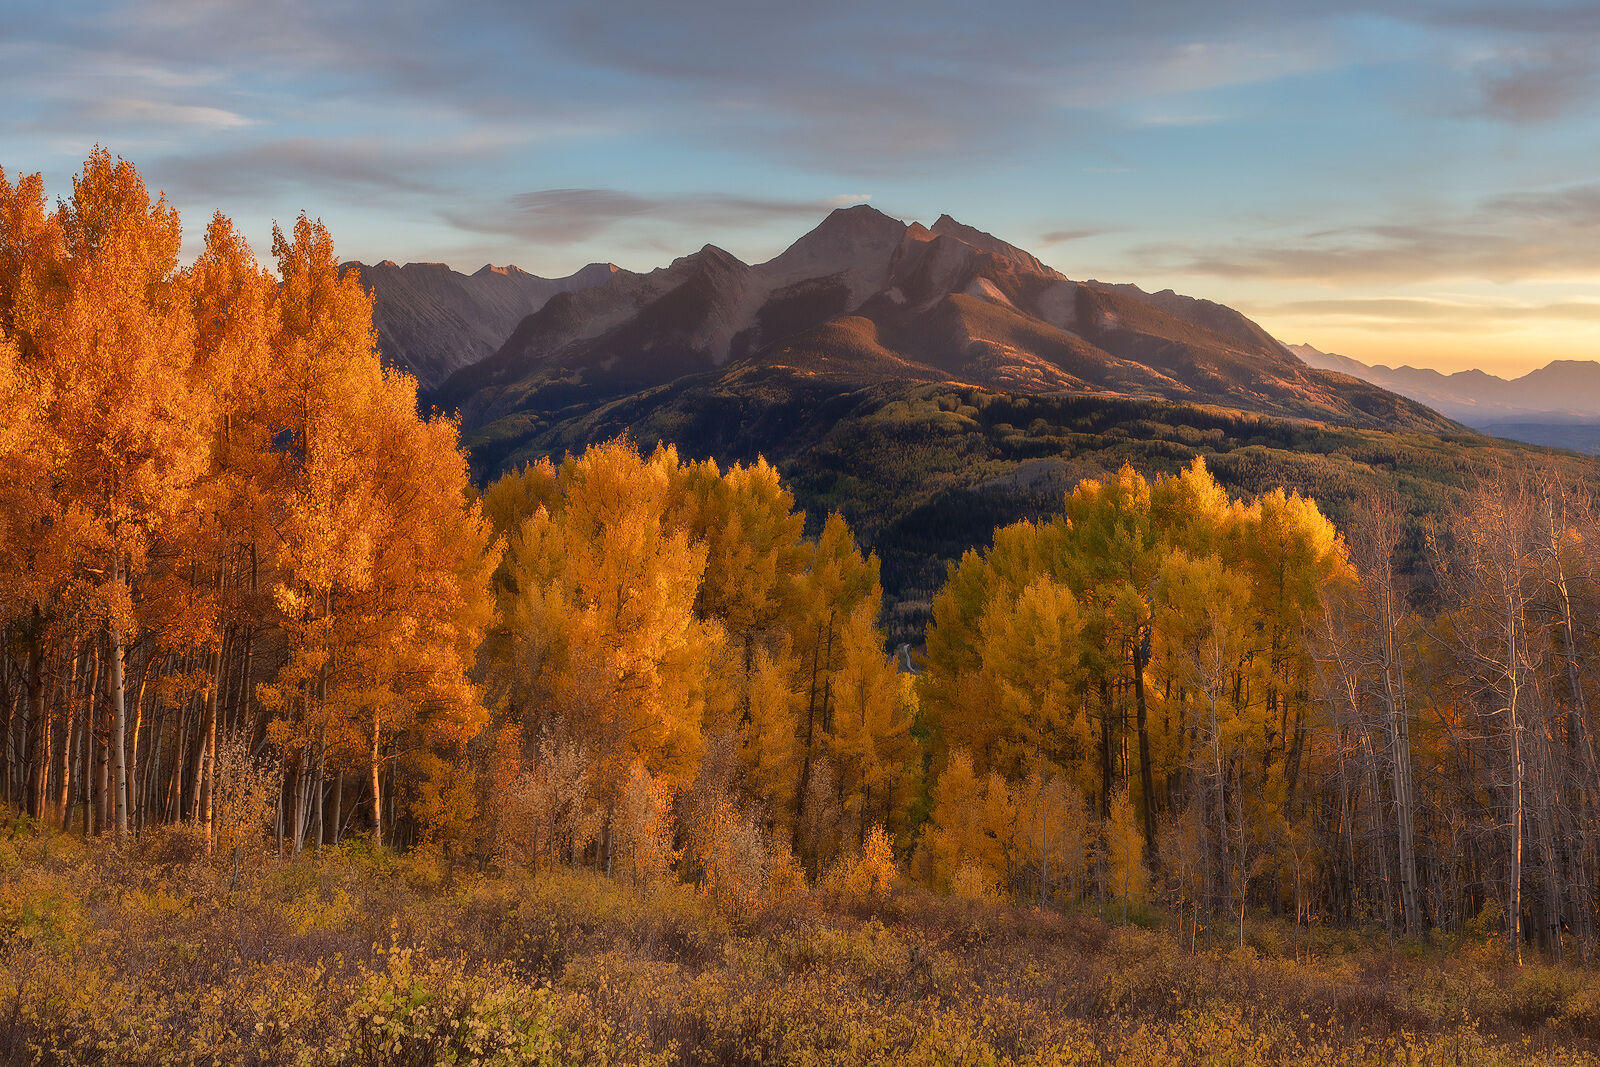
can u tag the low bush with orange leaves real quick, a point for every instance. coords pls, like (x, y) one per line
(143, 955)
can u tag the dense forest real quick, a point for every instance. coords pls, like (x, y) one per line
(251, 596)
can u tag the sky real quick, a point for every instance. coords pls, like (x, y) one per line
(1401, 182)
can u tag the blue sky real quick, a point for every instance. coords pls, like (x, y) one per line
(1401, 182)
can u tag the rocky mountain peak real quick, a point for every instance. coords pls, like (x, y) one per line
(945, 226)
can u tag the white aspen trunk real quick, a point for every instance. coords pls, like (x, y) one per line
(208, 757)
(377, 787)
(1514, 916)
(1399, 741)
(119, 731)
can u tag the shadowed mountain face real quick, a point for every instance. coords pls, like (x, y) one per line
(433, 321)
(1558, 404)
(865, 300)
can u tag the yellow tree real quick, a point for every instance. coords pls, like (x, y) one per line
(1112, 547)
(1207, 625)
(1032, 677)
(971, 825)
(1054, 838)
(1291, 553)
(384, 562)
(755, 551)
(1127, 878)
(602, 616)
(869, 731)
(213, 552)
(129, 421)
(837, 579)
(770, 739)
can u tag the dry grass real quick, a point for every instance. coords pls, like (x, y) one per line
(145, 956)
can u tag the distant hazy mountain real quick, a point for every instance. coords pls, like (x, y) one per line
(1558, 404)
(865, 299)
(432, 320)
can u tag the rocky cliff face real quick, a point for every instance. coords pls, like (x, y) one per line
(433, 321)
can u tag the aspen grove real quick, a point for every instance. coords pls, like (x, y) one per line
(249, 591)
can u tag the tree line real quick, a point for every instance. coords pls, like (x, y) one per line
(248, 591)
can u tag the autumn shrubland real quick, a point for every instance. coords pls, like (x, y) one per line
(316, 751)
(126, 955)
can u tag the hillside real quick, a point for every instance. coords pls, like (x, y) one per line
(924, 470)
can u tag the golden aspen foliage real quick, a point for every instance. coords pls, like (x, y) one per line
(869, 737)
(643, 828)
(442, 796)
(1127, 877)
(866, 876)
(385, 563)
(770, 742)
(545, 808)
(1055, 836)
(247, 787)
(972, 824)
(754, 549)
(24, 461)
(646, 605)
(1031, 676)
(956, 692)
(99, 305)
(972, 882)
(1153, 636)
(734, 858)
(601, 616)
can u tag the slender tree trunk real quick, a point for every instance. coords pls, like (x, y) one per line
(321, 785)
(377, 788)
(86, 772)
(811, 729)
(338, 806)
(1108, 770)
(64, 803)
(119, 729)
(1514, 914)
(208, 744)
(135, 794)
(1147, 787)
(36, 761)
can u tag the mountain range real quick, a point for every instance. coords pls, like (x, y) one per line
(865, 298)
(432, 320)
(1557, 404)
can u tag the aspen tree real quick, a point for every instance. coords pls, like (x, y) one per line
(972, 823)
(131, 426)
(1127, 877)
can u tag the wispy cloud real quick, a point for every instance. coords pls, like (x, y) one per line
(1162, 119)
(192, 116)
(1523, 235)
(568, 216)
(1061, 237)
(1538, 86)
(361, 165)
(1434, 315)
